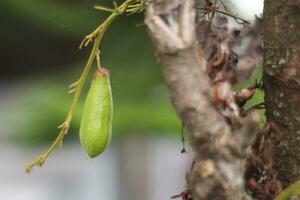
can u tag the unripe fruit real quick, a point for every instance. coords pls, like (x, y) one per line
(96, 121)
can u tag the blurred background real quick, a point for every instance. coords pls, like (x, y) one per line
(39, 58)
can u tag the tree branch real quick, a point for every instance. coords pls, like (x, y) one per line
(220, 148)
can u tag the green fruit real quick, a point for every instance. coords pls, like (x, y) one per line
(96, 121)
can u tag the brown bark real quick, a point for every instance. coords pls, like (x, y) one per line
(218, 168)
(282, 82)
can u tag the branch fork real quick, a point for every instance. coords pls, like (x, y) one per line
(220, 147)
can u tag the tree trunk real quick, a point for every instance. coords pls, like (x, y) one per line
(220, 147)
(282, 82)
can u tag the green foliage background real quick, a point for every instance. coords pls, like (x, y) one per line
(40, 53)
(141, 103)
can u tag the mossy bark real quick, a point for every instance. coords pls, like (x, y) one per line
(282, 82)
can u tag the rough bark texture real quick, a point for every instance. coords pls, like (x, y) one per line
(282, 82)
(218, 168)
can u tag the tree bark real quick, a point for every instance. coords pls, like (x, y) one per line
(282, 82)
(218, 168)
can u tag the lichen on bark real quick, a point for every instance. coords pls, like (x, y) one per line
(282, 82)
